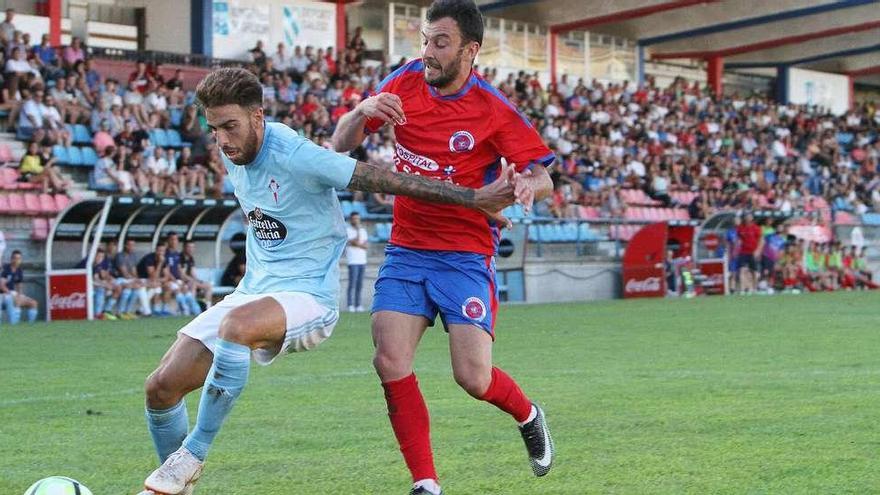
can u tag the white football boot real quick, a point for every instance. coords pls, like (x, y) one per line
(176, 476)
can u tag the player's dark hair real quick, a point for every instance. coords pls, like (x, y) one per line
(15, 252)
(230, 86)
(464, 12)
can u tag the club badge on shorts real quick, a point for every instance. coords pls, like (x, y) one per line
(474, 308)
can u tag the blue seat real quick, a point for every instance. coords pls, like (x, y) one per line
(89, 157)
(360, 207)
(159, 138)
(60, 154)
(533, 233)
(871, 218)
(347, 208)
(569, 232)
(174, 139)
(81, 134)
(585, 233)
(74, 156)
(545, 233)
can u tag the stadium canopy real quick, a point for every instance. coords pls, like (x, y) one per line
(78, 231)
(835, 36)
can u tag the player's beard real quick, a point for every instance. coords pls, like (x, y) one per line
(448, 74)
(249, 148)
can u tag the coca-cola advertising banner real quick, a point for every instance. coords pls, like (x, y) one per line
(68, 298)
(644, 282)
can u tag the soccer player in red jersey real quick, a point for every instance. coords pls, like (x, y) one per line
(450, 125)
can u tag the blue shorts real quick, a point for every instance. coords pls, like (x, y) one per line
(458, 286)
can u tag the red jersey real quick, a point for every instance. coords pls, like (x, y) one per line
(750, 237)
(459, 138)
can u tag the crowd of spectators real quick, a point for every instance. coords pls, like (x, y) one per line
(731, 153)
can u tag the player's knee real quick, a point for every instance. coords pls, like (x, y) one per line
(389, 366)
(473, 382)
(160, 391)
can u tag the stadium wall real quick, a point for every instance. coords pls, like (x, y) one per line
(168, 24)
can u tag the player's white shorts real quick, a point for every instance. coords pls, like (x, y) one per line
(308, 322)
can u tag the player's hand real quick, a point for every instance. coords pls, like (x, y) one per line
(384, 106)
(524, 191)
(493, 198)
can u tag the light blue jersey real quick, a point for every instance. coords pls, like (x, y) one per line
(297, 231)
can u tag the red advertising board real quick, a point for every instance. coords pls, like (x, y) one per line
(643, 272)
(68, 296)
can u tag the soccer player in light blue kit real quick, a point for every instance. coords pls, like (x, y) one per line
(287, 300)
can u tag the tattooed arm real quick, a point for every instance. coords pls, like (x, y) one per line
(489, 199)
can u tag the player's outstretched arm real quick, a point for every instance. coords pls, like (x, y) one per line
(489, 199)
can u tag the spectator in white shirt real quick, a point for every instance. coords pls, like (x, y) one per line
(30, 119)
(280, 60)
(299, 62)
(356, 257)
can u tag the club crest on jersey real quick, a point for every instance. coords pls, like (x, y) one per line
(274, 187)
(268, 231)
(461, 141)
(474, 309)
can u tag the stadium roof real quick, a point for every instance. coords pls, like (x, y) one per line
(836, 36)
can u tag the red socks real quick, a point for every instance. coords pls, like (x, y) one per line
(411, 425)
(506, 395)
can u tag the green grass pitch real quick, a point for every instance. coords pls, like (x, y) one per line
(743, 395)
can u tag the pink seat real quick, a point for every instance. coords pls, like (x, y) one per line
(588, 212)
(4, 204)
(844, 218)
(40, 229)
(5, 154)
(32, 204)
(9, 178)
(16, 204)
(61, 202)
(47, 204)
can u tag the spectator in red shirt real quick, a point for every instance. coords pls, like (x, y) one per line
(140, 77)
(751, 245)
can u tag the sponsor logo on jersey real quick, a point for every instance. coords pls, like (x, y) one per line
(461, 142)
(474, 308)
(415, 160)
(269, 231)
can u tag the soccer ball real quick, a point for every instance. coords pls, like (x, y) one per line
(57, 485)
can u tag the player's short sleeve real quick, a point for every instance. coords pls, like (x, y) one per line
(322, 167)
(516, 139)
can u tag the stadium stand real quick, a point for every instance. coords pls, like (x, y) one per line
(629, 153)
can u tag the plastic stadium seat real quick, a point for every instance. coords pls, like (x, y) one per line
(5, 154)
(174, 139)
(32, 204)
(81, 134)
(61, 201)
(589, 212)
(60, 154)
(347, 208)
(569, 232)
(4, 204)
(74, 156)
(8, 178)
(17, 204)
(40, 229)
(47, 204)
(871, 218)
(159, 138)
(360, 207)
(89, 157)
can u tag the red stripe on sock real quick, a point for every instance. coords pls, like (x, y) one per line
(506, 395)
(411, 424)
